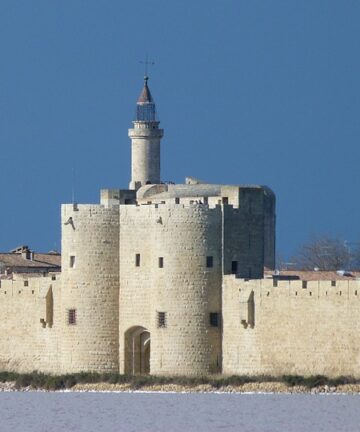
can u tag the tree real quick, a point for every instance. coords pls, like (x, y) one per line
(324, 253)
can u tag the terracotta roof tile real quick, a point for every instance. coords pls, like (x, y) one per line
(313, 275)
(42, 260)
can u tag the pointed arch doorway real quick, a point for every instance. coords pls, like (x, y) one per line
(137, 351)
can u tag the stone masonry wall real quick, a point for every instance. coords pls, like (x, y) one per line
(291, 329)
(184, 288)
(26, 342)
(244, 234)
(145, 154)
(90, 286)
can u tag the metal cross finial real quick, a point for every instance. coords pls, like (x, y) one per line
(146, 63)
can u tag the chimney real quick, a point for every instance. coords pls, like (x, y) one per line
(26, 254)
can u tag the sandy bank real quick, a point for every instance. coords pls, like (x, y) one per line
(265, 387)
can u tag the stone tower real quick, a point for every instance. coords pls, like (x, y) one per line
(145, 142)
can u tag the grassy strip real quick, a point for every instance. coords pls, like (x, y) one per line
(38, 380)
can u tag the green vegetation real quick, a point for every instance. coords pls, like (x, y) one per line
(317, 381)
(37, 380)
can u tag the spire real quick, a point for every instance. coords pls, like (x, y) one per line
(145, 106)
(145, 95)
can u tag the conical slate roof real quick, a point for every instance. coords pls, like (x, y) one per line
(145, 95)
(145, 106)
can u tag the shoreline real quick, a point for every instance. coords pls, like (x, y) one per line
(273, 387)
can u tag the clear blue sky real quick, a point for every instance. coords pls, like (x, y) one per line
(258, 91)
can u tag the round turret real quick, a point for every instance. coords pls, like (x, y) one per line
(170, 285)
(90, 288)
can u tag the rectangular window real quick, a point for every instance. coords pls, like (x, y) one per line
(71, 316)
(137, 260)
(177, 200)
(161, 319)
(209, 261)
(161, 262)
(333, 283)
(26, 283)
(214, 319)
(275, 282)
(72, 261)
(225, 200)
(234, 267)
(304, 284)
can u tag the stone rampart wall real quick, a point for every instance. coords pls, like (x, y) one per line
(29, 336)
(296, 327)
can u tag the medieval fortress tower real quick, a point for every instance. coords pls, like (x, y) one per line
(169, 279)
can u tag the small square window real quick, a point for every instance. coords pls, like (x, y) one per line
(209, 261)
(161, 262)
(72, 261)
(137, 260)
(225, 200)
(53, 277)
(71, 316)
(161, 319)
(234, 267)
(26, 283)
(333, 283)
(214, 319)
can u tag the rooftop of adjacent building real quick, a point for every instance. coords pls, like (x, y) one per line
(313, 275)
(22, 259)
(193, 188)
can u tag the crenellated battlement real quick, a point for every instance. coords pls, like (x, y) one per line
(299, 326)
(272, 287)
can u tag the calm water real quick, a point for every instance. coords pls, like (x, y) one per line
(138, 412)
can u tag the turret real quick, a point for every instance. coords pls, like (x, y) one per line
(145, 141)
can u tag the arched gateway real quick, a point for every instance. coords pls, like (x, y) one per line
(137, 350)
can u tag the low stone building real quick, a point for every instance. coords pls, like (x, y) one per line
(169, 279)
(23, 260)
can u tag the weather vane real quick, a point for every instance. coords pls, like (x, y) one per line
(146, 63)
